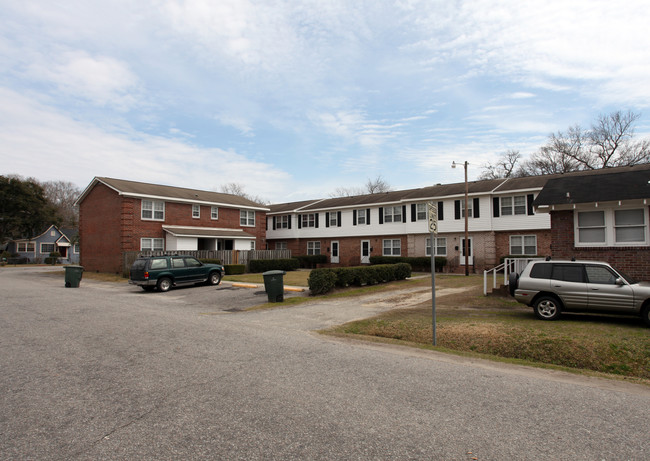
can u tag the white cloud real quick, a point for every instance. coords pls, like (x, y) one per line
(37, 141)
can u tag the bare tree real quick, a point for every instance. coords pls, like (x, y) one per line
(234, 188)
(62, 195)
(508, 165)
(372, 186)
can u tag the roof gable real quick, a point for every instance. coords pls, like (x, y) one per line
(171, 193)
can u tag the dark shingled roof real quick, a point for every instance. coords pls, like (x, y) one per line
(603, 185)
(135, 188)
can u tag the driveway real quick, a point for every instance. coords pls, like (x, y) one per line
(105, 371)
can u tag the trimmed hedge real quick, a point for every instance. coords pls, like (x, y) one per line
(419, 263)
(263, 265)
(235, 269)
(310, 261)
(210, 261)
(323, 280)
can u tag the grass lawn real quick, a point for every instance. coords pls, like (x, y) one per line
(291, 278)
(472, 324)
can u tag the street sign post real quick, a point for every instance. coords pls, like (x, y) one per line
(432, 215)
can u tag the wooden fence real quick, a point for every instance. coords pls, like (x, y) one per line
(225, 256)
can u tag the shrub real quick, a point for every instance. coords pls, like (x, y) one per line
(419, 263)
(210, 261)
(360, 275)
(263, 265)
(310, 261)
(234, 269)
(321, 281)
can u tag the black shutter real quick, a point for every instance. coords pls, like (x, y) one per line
(413, 212)
(403, 213)
(530, 199)
(290, 218)
(316, 219)
(495, 207)
(338, 219)
(274, 222)
(456, 209)
(381, 215)
(476, 208)
(327, 219)
(299, 221)
(441, 215)
(368, 216)
(354, 217)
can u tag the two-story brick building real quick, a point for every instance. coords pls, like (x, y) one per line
(501, 221)
(116, 216)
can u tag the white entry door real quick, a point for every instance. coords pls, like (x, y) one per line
(335, 252)
(365, 251)
(470, 253)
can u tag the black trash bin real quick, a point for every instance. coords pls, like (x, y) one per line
(73, 276)
(274, 285)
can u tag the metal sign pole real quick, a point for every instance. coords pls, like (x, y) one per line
(433, 229)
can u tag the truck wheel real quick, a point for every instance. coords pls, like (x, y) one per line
(214, 278)
(547, 308)
(164, 284)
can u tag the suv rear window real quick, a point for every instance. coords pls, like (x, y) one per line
(541, 271)
(568, 273)
(158, 263)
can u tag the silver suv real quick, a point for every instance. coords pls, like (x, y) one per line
(551, 287)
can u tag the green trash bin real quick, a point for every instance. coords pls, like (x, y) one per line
(73, 276)
(274, 285)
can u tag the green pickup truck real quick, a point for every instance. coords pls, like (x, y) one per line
(164, 272)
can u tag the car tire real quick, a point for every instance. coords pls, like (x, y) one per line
(214, 278)
(164, 284)
(645, 313)
(547, 308)
(513, 282)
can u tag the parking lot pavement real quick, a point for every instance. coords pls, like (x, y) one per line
(108, 371)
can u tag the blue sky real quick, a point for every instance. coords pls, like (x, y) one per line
(293, 100)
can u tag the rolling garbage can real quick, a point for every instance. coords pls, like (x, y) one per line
(73, 276)
(274, 285)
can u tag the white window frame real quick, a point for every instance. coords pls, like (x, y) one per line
(514, 205)
(196, 211)
(313, 247)
(42, 251)
(391, 213)
(28, 247)
(394, 247)
(214, 213)
(75, 248)
(153, 209)
(252, 244)
(308, 220)
(609, 226)
(441, 243)
(421, 212)
(362, 216)
(247, 218)
(151, 244)
(334, 219)
(523, 245)
(470, 208)
(280, 245)
(282, 222)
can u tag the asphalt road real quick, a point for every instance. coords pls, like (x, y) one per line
(106, 371)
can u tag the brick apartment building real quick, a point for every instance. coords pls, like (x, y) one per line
(116, 216)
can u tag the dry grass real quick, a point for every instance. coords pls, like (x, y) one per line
(499, 327)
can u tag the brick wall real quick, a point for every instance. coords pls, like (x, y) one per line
(99, 230)
(634, 261)
(502, 240)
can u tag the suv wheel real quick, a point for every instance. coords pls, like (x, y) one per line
(214, 278)
(513, 282)
(164, 284)
(645, 314)
(547, 308)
